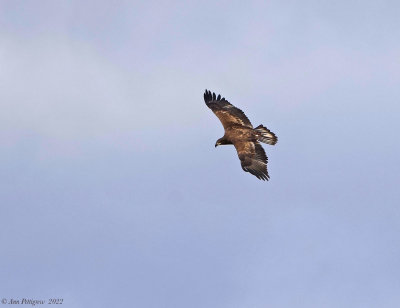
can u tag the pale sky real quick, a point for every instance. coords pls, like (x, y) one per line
(112, 193)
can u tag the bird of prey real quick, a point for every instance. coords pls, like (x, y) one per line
(240, 133)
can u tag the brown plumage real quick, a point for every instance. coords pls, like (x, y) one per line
(240, 133)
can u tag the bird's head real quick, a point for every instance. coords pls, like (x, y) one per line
(220, 141)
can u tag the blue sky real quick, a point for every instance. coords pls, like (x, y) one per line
(112, 192)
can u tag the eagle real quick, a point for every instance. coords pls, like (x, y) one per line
(240, 132)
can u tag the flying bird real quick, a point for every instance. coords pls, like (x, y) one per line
(240, 133)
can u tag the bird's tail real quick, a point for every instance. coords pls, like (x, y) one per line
(265, 135)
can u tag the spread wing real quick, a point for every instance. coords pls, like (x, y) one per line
(253, 159)
(227, 113)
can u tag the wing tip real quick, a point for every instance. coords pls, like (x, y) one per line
(211, 96)
(259, 174)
